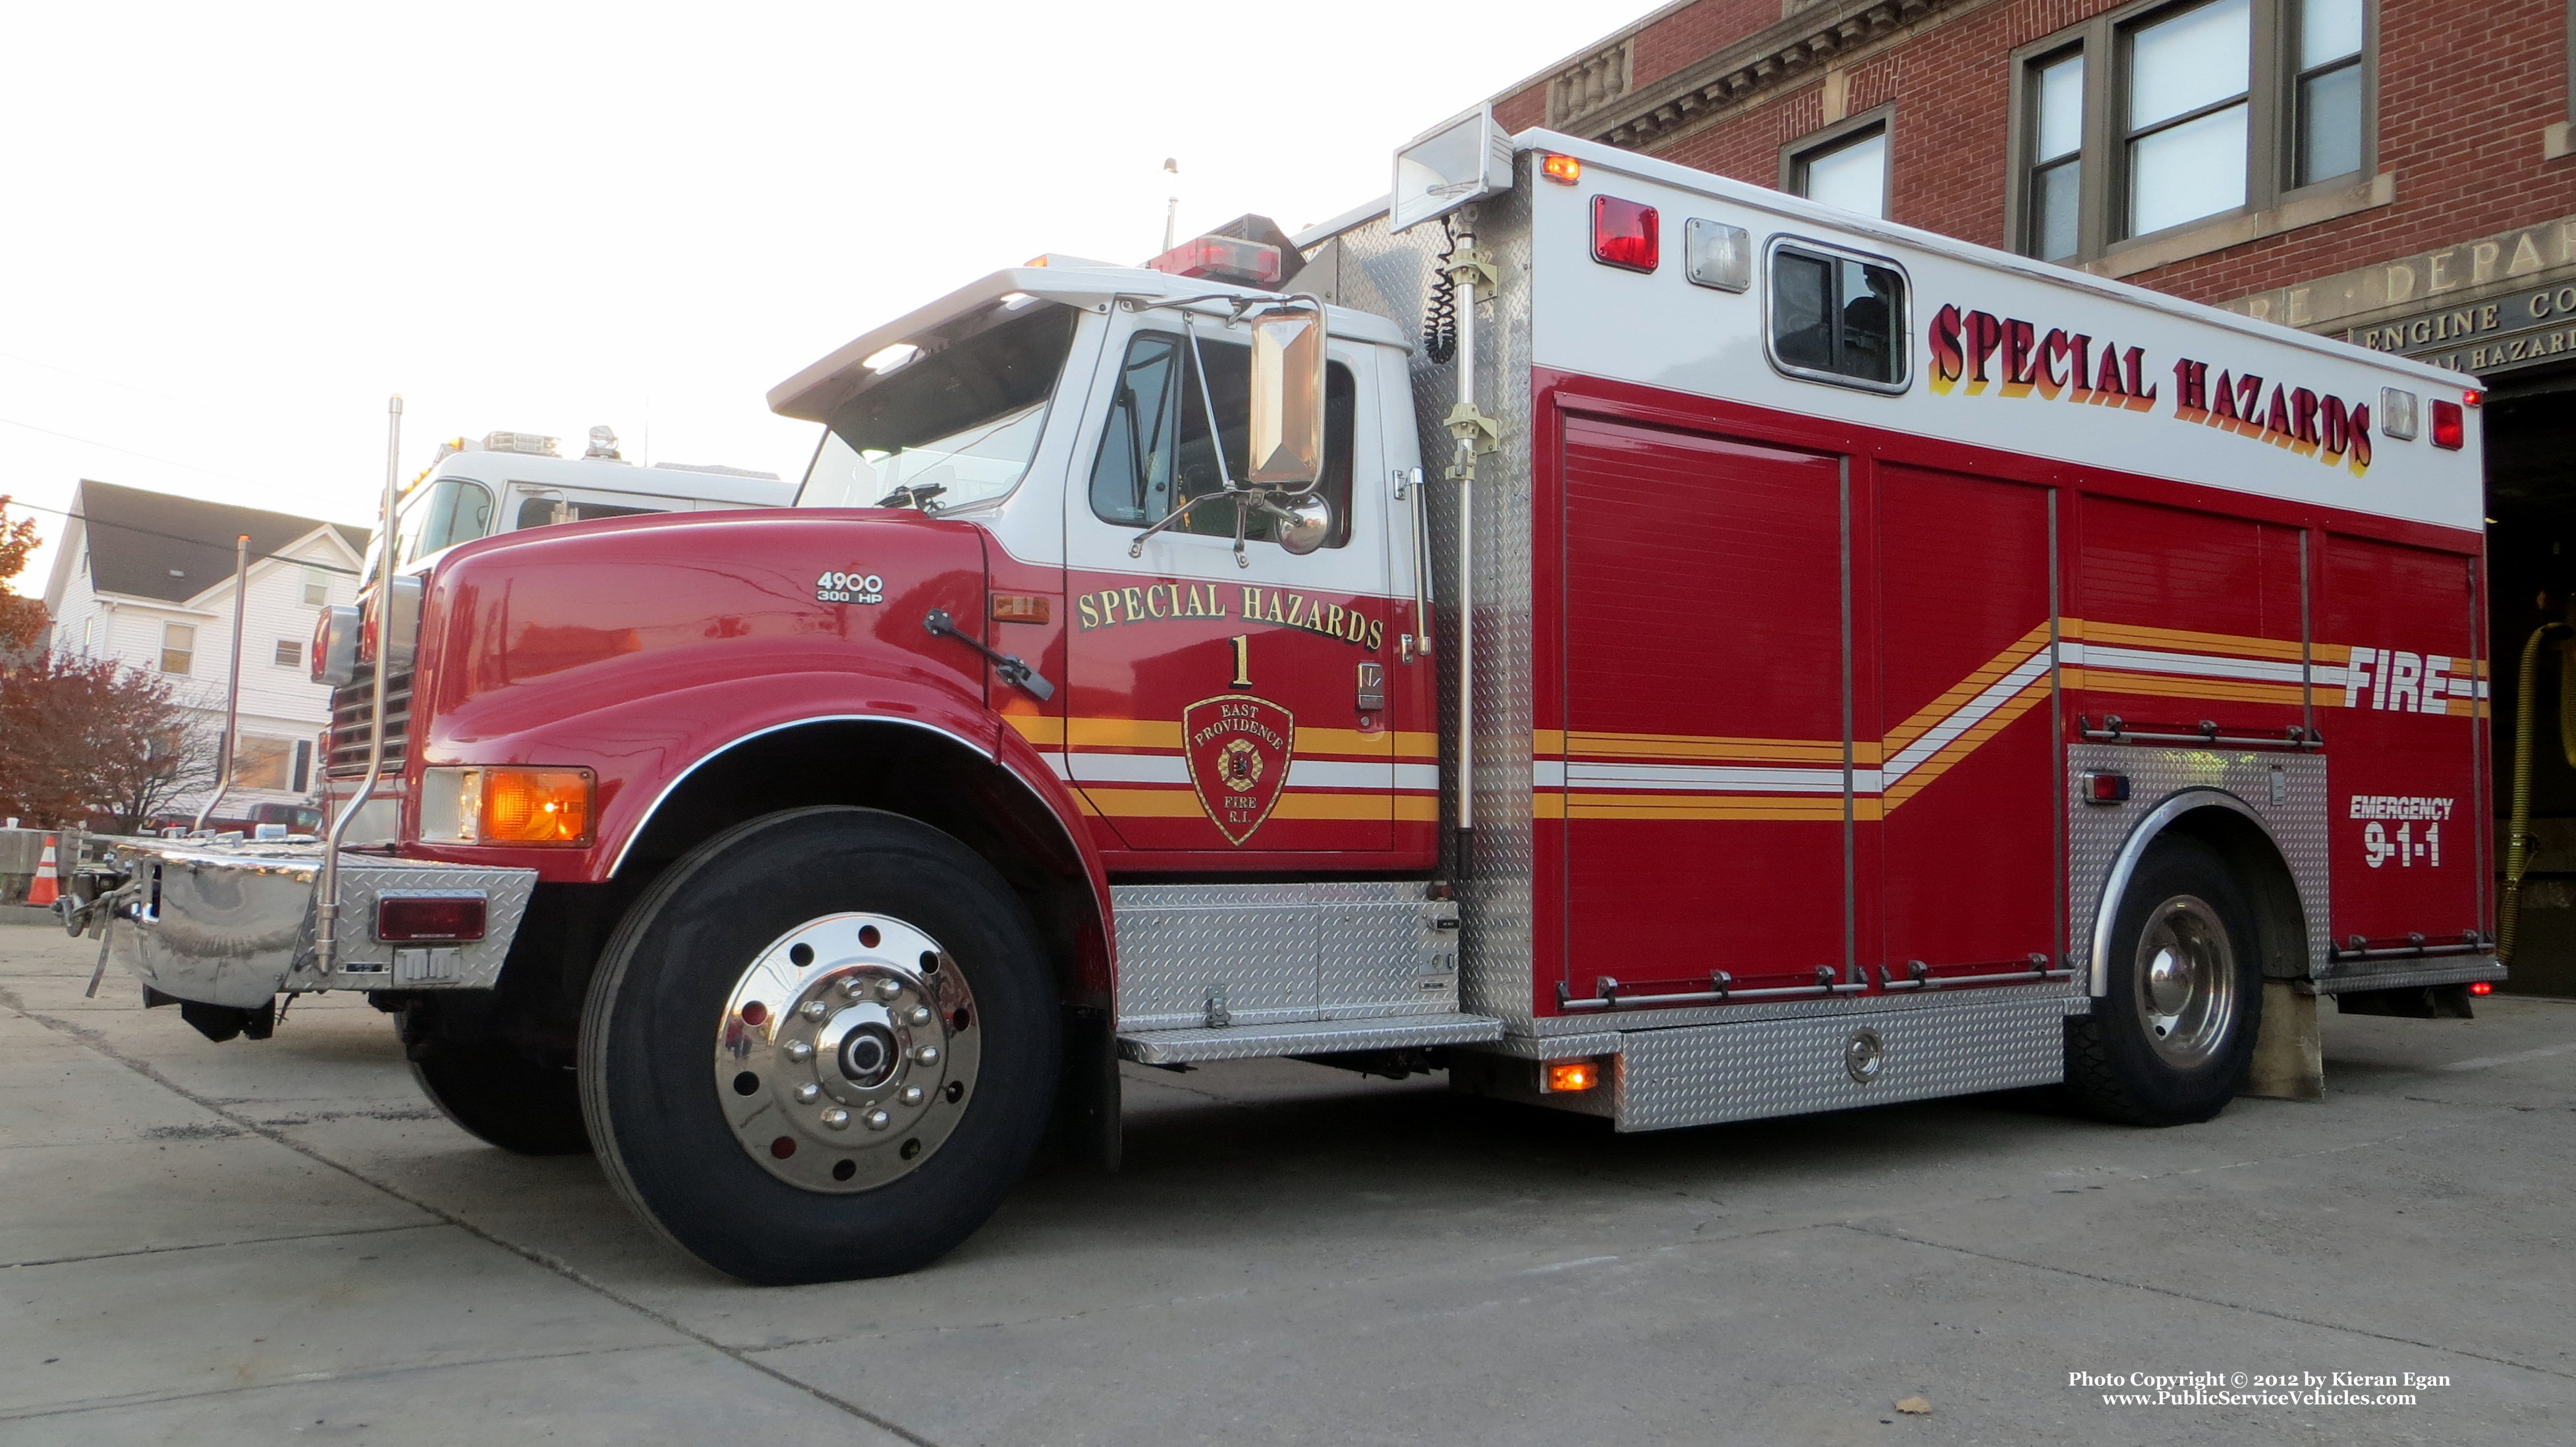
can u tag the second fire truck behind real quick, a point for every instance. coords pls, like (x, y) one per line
(1650, 646)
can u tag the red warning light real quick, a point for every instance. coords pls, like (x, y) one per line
(1625, 234)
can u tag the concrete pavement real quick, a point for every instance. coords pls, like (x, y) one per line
(281, 1241)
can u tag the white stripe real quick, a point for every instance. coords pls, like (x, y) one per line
(2143, 660)
(1101, 768)
(1708, 778)
(1057, 763)
(1094, 768)
(1995, 696)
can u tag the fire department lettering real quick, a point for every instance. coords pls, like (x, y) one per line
(1238, 748)
(1177, 602)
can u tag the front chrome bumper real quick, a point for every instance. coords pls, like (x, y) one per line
(233, 924)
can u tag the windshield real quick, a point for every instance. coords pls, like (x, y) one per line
(964, 416)
(453, 511)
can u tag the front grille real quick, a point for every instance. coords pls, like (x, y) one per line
(351, 707)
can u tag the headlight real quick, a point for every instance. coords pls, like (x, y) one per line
(506, 804)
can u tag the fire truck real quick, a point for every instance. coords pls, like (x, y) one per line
(1645, 645)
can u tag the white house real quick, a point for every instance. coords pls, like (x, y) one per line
(146, 578)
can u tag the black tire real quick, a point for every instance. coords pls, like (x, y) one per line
(503, 1099)
(660, 994)
(2116, 1068)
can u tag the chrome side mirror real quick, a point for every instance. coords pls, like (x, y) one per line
(1301, 521)
(1287, 422)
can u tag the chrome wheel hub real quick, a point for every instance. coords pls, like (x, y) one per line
(847, 1052)
(2186, 981)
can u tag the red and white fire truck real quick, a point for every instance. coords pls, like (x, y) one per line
(1644, 644)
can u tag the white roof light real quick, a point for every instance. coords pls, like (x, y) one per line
(893, 358)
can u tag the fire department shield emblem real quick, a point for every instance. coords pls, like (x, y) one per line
(1238, 747)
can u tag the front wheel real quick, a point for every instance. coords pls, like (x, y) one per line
(2170, 1038)
(822, 1046)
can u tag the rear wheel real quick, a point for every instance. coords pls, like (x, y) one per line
(822, 1046)
(2170, 1038)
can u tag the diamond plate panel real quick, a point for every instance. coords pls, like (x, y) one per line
(233, 924)
(1173, 1047)
(1280, 953)
(2403, 974)
(2096, 833)
(1495, 976)
(1709, 1073)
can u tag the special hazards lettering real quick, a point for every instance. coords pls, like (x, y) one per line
(1171, 602)
(1974, 352)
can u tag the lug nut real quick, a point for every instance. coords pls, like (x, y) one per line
(914, 1095)
(808, 1093)
(879, 1120)
(917, 1015)
(813, 1009)
(836, 1119)
(889, 989)
(799, 1051)
(856, 987)
(927, 1055)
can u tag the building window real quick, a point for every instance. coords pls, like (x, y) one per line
(2327, 98)
(2160, 117)
(263, 763)
(317, 588)
(303, 780)
(1844, 166)
(2057, 156)
(290, 653)
(2185, 141)
(1837, 317)
(178, 647)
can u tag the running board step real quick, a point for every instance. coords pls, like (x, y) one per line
(1307, 1037)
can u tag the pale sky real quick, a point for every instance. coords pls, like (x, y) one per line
(230, 231)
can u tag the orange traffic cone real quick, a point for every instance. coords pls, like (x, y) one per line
(48, 886)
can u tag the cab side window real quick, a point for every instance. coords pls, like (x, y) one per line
(1156, 452)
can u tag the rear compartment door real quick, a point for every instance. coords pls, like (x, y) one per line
(1703, 768)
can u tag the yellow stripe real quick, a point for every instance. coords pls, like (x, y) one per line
(1184, 804)
(1960, 694)
(1046, 733)
(1704, 746)
(1703, 806)
(1968, 742)
(2136, 636)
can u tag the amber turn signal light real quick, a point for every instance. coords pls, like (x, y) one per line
(1572, 1075)
(1564, 170)
(506, 804)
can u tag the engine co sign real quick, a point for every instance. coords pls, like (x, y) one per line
(2487, 336)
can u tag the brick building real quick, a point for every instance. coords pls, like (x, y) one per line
(2395, 172)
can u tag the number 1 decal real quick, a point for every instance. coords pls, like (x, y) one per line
(1242, 660)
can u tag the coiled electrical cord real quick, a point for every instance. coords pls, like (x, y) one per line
(1440, 322)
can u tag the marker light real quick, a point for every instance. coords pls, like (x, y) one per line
(1625, 234)
(2482, 987)
(429, 917)
(2450, 426)
(2473, 398)
(2106, 788)
(506, 805)
(1564, 170)
(1572, 1075)
(1222, 258)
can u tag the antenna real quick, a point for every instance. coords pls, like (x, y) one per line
(1171, 207)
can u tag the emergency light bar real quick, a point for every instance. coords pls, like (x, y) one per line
(1222, 258)
(527, 442)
